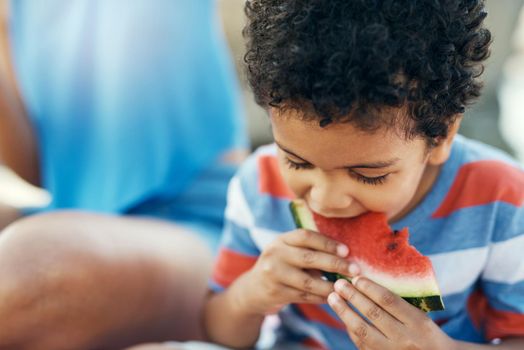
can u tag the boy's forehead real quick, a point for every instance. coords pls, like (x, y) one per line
(364, 117)
(339, 143)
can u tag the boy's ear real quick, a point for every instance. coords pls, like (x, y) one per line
(440, 153)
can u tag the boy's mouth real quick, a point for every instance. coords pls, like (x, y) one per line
(341, 214)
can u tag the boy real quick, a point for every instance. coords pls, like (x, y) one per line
(365, 99)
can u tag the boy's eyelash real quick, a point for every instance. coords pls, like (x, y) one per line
(379, 180)
(297, 166)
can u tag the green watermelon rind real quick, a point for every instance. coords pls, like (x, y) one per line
(304, 219)
(302, 216)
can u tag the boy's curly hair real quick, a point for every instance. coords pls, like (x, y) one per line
(345, 57)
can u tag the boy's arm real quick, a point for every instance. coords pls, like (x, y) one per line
(227, 324)
(224, 321)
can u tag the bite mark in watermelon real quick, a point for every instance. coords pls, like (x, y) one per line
(384, 256)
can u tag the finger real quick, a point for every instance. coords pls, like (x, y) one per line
(316, 241)
(282, 283)
(389, 301)
(381, 319)
(362, 333)
(304, 281)
(286, 268)
(311, 259)
(298, 296)
(279, 295)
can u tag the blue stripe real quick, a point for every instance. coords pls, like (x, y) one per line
(467, 228)
(510, 222)
(478, 151)
(275, 215)
(454, 304)
(215, 287)
(238, 239)
(336, 338)
(461, 328)
(505, 297)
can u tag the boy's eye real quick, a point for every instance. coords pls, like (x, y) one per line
(378, 180)
(296, 165)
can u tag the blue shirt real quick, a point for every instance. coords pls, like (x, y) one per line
(130, 99)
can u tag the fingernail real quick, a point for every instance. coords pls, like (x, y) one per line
(340, 285)
(342, 250)
(354, 280)
(353, 269)
(333, 298)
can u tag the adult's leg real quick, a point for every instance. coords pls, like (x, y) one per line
(73, 280)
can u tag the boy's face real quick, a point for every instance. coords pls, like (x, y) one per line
(342, 171)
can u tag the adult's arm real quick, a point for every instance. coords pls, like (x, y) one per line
(18, 146)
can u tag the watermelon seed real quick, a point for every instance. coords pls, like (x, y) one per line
(392, 246)
(395, 232)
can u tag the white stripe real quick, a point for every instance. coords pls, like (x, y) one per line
(262, 237)
(301, 326)
(268, 330)
(269, 149)
(237, 210)
(506, 261)
(456, 271)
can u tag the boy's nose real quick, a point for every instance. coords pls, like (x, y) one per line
(326, 199)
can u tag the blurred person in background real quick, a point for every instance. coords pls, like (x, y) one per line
(127, 112)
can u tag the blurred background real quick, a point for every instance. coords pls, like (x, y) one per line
(497, 118)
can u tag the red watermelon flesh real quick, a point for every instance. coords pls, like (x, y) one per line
(383, 255)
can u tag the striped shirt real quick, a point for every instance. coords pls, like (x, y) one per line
(470, 224)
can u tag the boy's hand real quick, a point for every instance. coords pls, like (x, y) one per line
(288, 271)
(395, 323)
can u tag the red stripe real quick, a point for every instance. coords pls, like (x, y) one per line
(494, 323)
(230, 265)
(477, 304)
(271, 181)
(483, 182)
(316, 313)
(441, 322)
(313, 344)
(504, 324)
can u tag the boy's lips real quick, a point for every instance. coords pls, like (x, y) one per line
(334, 214)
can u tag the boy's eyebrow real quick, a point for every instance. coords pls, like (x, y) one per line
(372, 165)
(290, 152)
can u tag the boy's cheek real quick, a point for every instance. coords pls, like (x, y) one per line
(297, 183)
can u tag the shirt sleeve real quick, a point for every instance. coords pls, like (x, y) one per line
(238, 252)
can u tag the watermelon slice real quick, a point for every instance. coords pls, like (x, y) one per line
(384, 256)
